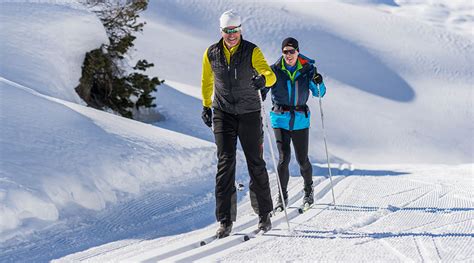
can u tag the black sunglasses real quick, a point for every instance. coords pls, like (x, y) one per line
(289, 51)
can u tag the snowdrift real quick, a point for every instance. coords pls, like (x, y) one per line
(57, 155)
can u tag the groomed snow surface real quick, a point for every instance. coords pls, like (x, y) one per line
(77, 184)
(380, 215)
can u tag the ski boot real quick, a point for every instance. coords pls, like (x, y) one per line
(264, 222)
(308, 195)
(224, 229)
(279, 203)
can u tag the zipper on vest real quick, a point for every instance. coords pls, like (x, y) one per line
(235, 73)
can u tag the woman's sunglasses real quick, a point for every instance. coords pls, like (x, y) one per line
(289, 51)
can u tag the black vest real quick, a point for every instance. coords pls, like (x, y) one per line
(232, 91)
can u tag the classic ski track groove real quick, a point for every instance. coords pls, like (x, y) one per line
(247, 226)
(438, 254)
(396, 252)
(248, 222)
(209, 251)
(100, 225)
(378, 215)
(160, 202)
(294, 216)
(417, 200)
(301, 218)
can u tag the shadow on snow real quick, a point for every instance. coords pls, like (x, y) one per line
(322, 170)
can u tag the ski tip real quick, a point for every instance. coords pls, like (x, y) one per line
(203, 243)
(246, 238)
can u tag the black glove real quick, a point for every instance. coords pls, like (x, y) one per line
(264, 92)
(258, 82)
(317, 78)
(207, 116)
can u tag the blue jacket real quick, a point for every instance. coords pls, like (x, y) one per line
(291, 92)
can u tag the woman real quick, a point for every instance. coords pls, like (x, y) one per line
(290, 116)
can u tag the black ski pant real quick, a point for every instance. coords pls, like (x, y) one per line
(247, 128)
(300, 139)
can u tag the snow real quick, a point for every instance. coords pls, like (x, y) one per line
(62, 34)
(80, 184)
(368, 69)
(372, 221)
(56, 153)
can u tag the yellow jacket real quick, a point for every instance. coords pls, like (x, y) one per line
(207, 77)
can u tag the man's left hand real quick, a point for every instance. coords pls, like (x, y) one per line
(258, 82)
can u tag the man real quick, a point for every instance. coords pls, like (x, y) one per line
(236, 70)
(290, 116)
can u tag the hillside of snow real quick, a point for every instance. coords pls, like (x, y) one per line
(398, 93)
(59, 159)
(80, 184)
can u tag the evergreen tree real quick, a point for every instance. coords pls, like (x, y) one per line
(105, 82)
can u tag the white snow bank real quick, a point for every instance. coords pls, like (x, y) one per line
(44, 44)
(56, 153)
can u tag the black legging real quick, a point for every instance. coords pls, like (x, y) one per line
(300, 139)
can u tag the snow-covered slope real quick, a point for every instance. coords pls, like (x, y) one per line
(42, 44)
(61, 160)
(455, 16)
(400, 91)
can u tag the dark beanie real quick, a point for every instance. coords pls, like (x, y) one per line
(290, 42)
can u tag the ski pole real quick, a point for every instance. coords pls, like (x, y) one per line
(270, 140)
(325, 144)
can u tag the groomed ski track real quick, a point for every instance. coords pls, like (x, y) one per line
(191, 250)
(416, 221)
